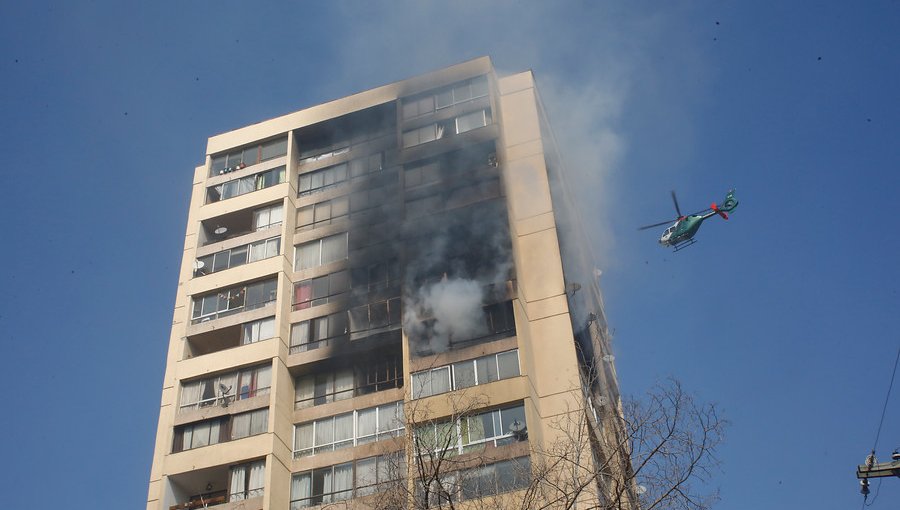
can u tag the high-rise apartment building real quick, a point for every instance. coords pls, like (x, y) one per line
(374, 286)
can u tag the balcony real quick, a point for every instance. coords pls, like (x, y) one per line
(240, 223)
(222, 487)
(233, 300)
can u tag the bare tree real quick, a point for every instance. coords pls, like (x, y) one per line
(653, 453)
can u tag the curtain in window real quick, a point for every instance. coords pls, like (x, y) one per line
(343, 384)
(307, 256)
(343, 481)
(240, 426)
(259, 421)
(273, 247)
(300, 490)
(303, 437)
(190, 394)
(302, 295)
(464, 374)
(267, 328)
(236, 486)
(487, 369)
(366, 425)
(440, 382)
(324, 433)
(214, 432)
(257, 479)
(366, 476)
(508, 364)
(305, 392)
(263, 379)
(334, 248)
(327, 481)
(343, 430)
(257, 251)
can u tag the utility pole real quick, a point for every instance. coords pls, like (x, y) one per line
(874, 469)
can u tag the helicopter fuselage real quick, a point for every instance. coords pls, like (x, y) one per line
(682, 230)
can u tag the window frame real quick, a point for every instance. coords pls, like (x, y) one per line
(417, 388)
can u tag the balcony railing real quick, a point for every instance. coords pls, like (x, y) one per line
(203, 501)
(225, 400)
(231, 311)
(334, 396)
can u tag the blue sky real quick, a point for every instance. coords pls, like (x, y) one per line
(784, 316)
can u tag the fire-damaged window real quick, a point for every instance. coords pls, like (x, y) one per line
(433, 335)
(250, 155)
(373, 277)
(422, 174)
(321, 290)
(321, 251)
(319, 332)
(322, 213)
(438, 130)
(319, 180)
(445, 97)
(384, 372)
(373, 316)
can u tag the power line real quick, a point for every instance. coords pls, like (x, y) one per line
(886, 399)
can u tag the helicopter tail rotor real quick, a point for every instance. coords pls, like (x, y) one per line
(720, 212)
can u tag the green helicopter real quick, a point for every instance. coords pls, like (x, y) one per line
(681, 233)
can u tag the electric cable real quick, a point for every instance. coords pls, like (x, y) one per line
(878, 432)
(886, 399)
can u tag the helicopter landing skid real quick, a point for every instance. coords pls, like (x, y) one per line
(683, 244)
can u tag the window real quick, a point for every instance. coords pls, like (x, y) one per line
(496, 478)
(322, 179)
(246, 481)
(436, 131)
(472, 121)
(375, 276)
(255, 331)
(369, 376)
(267, 217)
(250, 155)
(226, 388)
(344, 481)
(366, 165)
(250, 424)
(420, 175)
(245, 185)
(196, 435)
(500, 318)
(442, 98)
(318, 332)
(342, 148)
(226, 428)
(238, 256)
(471, 433)
(236, 299)
(372, 316)
(465, 374)
(348, 429)
(318, 389)
(431, 382)
(320, 252)
(322, 213)
(321, 290)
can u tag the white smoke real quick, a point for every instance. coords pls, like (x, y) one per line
(443, 312)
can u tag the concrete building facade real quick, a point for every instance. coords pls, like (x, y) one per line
(369, 272)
